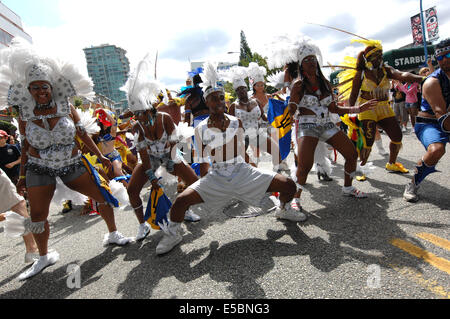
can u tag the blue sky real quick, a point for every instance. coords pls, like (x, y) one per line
(48, 14)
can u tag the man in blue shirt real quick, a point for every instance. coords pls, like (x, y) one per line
(433, 121)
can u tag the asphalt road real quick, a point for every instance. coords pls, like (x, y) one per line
(378, 248)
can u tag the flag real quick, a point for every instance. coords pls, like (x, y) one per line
(279, 118)
(158, 207)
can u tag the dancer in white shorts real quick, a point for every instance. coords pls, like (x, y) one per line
(221, 139)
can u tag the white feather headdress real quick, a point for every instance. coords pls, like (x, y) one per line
(21, 65)
(256, 73)
(288, 48)
(235, 75)
(211, 80)
(141, 90)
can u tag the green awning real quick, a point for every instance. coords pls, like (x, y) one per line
(333, 77)
(409, 58)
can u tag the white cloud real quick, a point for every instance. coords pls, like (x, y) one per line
(140, 27)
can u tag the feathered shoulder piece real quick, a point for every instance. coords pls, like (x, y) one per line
(256, 73)
(22, 65)
(236, 75)
(140, 89)
(349, 65)
(276, 80)
(211, 80)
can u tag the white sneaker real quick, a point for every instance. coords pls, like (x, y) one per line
(39, 265)
(171, 238)
(190, 216)
(292, 213)
(144, 231)
(410, 194)
(269, 203)
(116, 238)
(353, 192)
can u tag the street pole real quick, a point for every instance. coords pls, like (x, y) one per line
(424, 36)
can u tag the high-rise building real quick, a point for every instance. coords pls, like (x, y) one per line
(109, 69)
(10, 26)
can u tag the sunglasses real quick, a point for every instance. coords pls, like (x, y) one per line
(139, 113)
(441, 57)
(310, 59)
(37, 87)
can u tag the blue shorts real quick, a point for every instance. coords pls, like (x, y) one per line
(429, 133)
(410, 105)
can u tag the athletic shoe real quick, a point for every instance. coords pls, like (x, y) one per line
(361, 178)
(39, 265)
(190, 216)
(171, 238)
(410, 194)
(67, 206)
(268, 203)
(144, 231)
(396, 167)
(353, 192)
(293, 213)
(116, 238)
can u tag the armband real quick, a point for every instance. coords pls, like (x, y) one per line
(187, 111)
(80, 127)
(296, 104)
(151, 175)
(441, 121)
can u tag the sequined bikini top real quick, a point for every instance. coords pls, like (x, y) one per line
(319, 107)
(249, 119)
(40, 138)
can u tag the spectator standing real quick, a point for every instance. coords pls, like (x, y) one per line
(9, 157)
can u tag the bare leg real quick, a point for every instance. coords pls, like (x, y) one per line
(392, 129)
(306, 148)
(86, 186)
(185, 200)
(344, 146)
(30, 244)
(137, 182)
(39, 199)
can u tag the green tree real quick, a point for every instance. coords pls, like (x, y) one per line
(77, 102)
(246, 53)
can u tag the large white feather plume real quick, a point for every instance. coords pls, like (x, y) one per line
(276, 80)
(141, 90)
(89, 122)
(210, 77)
(288, 48)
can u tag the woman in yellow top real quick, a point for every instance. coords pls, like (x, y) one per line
(367, 78)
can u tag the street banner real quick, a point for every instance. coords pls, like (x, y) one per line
(431, 26)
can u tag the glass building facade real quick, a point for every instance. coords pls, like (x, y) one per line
(109, 68)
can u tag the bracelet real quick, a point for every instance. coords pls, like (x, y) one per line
(354, 109)
(22, 177)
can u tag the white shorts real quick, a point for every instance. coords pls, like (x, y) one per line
(246, 183)
(10, 198)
